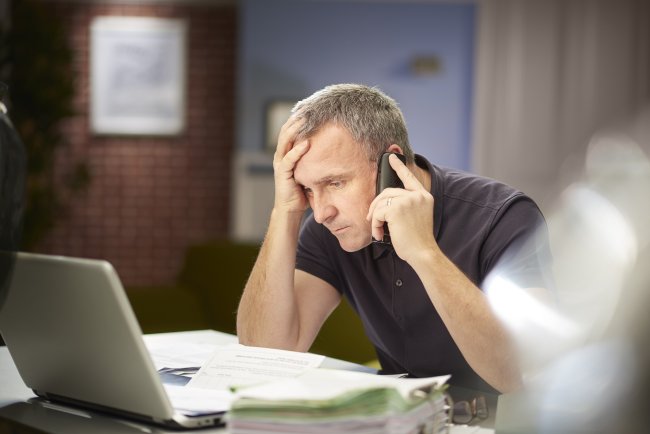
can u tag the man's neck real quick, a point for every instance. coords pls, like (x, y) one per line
(422, 175)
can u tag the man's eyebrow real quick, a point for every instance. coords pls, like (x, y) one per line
(329, 178)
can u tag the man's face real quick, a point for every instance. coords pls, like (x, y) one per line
(339, 182)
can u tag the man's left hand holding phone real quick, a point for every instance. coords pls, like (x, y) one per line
(408, 212)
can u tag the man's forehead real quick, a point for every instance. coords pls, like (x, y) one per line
(314, 171)
(332, 152)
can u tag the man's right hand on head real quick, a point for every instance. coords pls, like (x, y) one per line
(289, 195)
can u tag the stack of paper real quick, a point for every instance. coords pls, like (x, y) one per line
(229, 366)
(329, 401)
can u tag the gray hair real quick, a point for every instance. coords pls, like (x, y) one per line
(372, 118)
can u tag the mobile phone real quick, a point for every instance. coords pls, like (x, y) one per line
(387, 178)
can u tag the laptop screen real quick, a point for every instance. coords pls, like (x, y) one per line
(73, 337)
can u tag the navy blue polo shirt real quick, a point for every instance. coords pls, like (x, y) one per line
(477, 222)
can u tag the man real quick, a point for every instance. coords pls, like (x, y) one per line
(419, 299)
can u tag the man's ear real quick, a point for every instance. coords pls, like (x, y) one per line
(394, 148)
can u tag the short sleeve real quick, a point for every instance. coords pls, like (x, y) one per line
(517, 246)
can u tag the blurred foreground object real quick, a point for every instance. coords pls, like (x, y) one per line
(585, 351)
(36, 61)
(12, 181)
(12, 189)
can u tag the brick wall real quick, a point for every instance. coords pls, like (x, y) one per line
(150, 198)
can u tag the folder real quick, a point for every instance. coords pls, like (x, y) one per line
(327, 401)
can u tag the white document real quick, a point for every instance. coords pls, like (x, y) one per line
(199, 400)
(180, 354)
(185, 349)
(240, 365)
(326, 384)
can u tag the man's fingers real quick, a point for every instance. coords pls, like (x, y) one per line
(376, 223)
(290, 159)
(405, 175)
(287, 135)
(382, 199)
(377, 230)
(296, 152)
(380, 210)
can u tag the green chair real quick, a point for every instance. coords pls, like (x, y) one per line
(207, 295)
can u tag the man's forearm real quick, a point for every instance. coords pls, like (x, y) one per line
(268, 314)
(465, 310)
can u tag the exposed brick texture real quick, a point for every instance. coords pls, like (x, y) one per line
(150, 198)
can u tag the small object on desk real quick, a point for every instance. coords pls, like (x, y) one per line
(467, 411)
(172, 376)
(187, 371)
(467, 429)
(404, 375)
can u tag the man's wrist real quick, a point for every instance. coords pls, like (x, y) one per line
(426, 258)
(289, 215)
(286, 221)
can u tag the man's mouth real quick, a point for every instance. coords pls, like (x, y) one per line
(339, 230)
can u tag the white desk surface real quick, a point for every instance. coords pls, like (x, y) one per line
(12, 388)
(14, 394)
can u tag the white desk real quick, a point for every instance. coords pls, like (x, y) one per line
(12, 388)
(19, 405)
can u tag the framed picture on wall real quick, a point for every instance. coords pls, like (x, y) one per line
(137, 75)
(277, 113)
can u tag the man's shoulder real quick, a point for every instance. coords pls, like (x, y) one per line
(481, 191)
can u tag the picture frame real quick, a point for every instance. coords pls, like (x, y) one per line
(138, 76)
(277, 113)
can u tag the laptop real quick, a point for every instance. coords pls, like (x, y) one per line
(75, 340)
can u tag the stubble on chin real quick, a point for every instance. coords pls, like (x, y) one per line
(356, 244)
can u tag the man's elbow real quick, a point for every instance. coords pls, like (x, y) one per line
(246, 332)
(509, 382)
(267, 339)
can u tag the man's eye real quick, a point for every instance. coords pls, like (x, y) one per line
(308, 192)
(336, 184)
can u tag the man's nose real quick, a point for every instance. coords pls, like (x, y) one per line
(323, 209)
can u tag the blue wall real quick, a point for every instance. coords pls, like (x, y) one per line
(291, 48)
